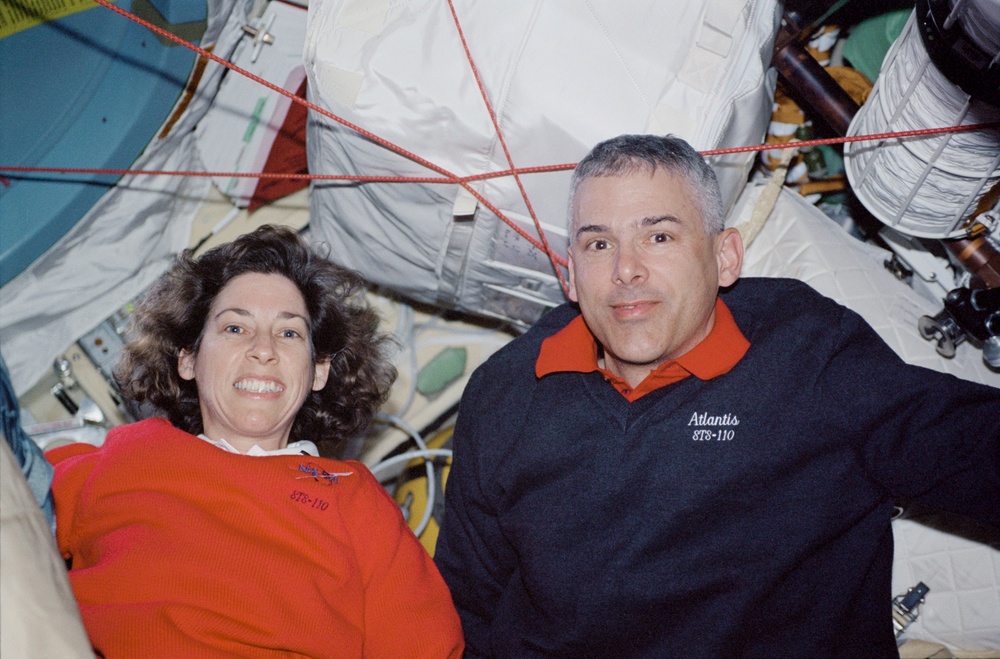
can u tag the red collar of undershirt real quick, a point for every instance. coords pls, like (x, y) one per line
(574, 349)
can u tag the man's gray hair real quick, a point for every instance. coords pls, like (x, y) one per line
(627, 154)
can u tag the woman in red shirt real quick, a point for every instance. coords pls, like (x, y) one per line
(217, 529)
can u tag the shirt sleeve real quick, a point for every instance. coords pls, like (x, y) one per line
(72, 464)
(474, 558)
(408, 610)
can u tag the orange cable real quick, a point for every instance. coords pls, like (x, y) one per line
(539, 169)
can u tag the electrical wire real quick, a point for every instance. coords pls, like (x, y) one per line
(406, 334)
(411, 455)
(394, 420)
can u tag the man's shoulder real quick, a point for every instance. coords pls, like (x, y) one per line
(526, 346)
(751, 291)
(772, 311)
(774, 298)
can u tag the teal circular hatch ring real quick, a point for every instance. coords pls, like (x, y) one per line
(87, 90)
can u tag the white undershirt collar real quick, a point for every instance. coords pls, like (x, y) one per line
(301, 447)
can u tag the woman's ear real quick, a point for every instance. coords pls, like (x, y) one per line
(320, 374)
(185, 365)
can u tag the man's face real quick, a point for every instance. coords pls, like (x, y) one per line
(644, 270)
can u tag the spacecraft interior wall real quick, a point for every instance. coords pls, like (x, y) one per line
(125, 240)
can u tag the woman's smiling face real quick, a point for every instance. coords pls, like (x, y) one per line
(254, 367)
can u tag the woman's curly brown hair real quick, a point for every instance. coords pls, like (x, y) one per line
(343, 328)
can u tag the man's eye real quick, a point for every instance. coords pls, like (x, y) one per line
(660, 238)
(599, 244)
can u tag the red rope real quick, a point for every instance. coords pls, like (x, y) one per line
(265, 175)
(315, 108)
(445, 175)
(539, 169)
(919, 132)
(506, 151)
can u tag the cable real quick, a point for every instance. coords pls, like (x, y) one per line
(411, 455)
(431, 484)
(405, 333)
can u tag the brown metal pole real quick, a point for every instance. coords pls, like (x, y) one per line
(812, 87)
(979, 257)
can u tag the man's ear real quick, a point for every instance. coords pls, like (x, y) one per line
(729, 256)
(185, 365)
(321, 371)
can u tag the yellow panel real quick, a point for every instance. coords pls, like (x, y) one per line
(15, 17)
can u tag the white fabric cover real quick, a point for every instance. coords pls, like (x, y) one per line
(560, 75)
(38, 614)
(923, 186)
(962, 608)
(799, 241)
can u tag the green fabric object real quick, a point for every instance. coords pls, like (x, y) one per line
(870, 40)
(446, 367)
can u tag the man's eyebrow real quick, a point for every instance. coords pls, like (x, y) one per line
(645, 222)
(653, 221)
(591, 228)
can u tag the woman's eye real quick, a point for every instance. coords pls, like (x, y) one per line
(232, 329)
(290, 334)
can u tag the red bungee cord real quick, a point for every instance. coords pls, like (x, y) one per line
(445, 176)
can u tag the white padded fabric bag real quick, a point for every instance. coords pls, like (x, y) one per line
(560, 76)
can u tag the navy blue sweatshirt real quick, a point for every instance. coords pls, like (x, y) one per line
(747, 515)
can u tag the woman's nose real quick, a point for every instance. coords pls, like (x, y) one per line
(262, 347)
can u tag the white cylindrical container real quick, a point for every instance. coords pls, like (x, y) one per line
(924, 186)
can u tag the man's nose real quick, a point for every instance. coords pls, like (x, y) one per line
(629, 266)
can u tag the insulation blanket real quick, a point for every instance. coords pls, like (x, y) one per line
(559, 76)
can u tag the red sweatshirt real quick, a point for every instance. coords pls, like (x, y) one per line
(179, 549)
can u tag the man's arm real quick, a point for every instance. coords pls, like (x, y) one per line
(471, 553)
(924, 435)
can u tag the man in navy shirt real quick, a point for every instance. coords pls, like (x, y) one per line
(686, 463)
